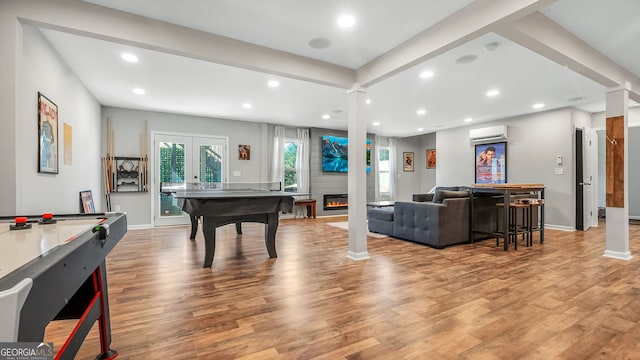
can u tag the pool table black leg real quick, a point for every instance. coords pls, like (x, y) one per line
(239, 228)
(209, 230)
(270, 234)
(194, 227)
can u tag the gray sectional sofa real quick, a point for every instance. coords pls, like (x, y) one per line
(438, 219)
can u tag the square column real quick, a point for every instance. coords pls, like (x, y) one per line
(357, 176)
(617, 178)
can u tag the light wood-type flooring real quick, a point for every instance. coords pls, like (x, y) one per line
(558, 300)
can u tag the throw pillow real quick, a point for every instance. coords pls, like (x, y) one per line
(441, 195)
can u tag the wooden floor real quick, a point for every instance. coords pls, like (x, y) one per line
(559, 300)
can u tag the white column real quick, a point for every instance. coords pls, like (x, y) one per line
(357, 177)
(617, 220)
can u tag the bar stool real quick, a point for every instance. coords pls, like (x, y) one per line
(513, 228)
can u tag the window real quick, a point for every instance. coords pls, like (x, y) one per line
(290, 174)
(383, 170)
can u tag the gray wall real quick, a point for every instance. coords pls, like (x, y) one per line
(41, 69)
(534, 142)
(322, 183)
(409, 182)
(427, 176)
(128, 126)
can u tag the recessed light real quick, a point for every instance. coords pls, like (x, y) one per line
(421, 111)
(247, 105)
(368, 101)
(346, 21)
(426, 74)
(326, 116)
(538, 106)
(129, 57)
(376, 123)
(273, 83)
(138, 91)
(493, 92)
(420, 129)
(468, 120)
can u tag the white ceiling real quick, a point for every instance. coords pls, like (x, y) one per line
(190, 85)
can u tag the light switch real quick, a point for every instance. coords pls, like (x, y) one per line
(559, 160)
(236, 173)
(559, 171)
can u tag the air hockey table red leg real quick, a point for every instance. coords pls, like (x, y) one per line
(100, 299)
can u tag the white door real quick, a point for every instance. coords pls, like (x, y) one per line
(185, 159)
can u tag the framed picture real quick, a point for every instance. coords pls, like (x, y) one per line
(244, 152)
(431, 159)
(47, 135)
(407, 161)
(86, 202)
(491, 163)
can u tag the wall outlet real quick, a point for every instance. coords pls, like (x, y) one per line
(236, 173)
(559, 171)
(117, 208)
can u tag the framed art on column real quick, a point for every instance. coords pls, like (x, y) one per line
(47, 135)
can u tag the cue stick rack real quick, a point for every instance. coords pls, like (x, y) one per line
(124, 174)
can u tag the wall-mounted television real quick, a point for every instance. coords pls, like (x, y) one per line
(335, 154)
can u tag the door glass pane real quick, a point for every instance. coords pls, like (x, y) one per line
(210, 163)
(172, 169)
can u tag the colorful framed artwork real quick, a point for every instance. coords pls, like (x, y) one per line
(491, 163)
(407, 161)
(47, 135)
(86, 202)
(244, 152)
(431, 159)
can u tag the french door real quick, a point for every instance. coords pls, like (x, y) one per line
(185, 159)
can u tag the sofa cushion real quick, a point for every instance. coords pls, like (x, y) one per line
(441, 195)
(385, 213)
(422, 197)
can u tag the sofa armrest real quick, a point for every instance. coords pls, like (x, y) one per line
(423, 197)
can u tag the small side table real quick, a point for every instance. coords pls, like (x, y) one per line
(377, 204)
(310, 204)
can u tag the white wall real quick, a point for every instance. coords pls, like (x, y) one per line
(128, 127)
(532, 147)
(42, 70)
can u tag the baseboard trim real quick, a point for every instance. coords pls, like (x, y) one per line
(139, 227)
(617, 255)
(559, 227)
(357, 256)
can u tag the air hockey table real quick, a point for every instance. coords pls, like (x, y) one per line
(53, 268)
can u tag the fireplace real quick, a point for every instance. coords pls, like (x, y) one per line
(336, 202)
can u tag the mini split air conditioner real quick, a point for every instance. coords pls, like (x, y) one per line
(488, 134)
